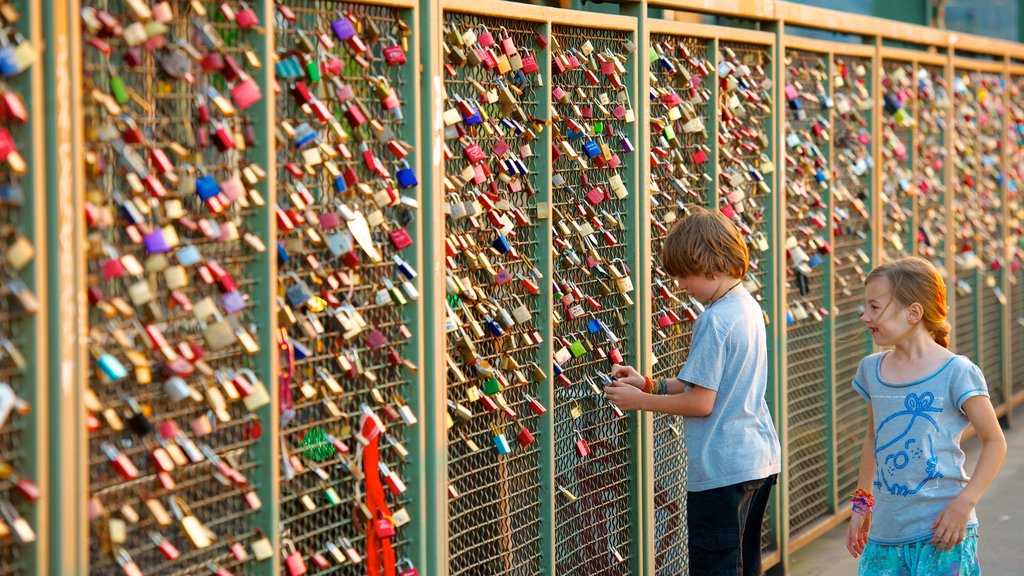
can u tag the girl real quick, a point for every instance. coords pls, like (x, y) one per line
(913, 510)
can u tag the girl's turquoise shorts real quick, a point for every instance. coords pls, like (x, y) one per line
(921, 559)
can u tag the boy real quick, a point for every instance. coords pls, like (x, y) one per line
(732, 447)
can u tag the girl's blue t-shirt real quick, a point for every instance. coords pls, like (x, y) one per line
(728, 354)
(919, 466)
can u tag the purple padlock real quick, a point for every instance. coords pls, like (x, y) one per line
(343, 28)
(155, 242)
(233, 301)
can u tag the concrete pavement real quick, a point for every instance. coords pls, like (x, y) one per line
(1000, 513)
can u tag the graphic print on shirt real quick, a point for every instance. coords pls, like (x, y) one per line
(904, 451)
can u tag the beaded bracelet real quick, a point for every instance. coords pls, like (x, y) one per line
(662, 386)
(648, 385)
(862, 502)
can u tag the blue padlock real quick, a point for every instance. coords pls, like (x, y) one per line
(288, 68)
(501, 444)
(404, 267)
(188, 255)
(282, 254)
(111, 367)
(207, 187)
(406, 176)
(594, 326)
(501, 244)
(304, 134)
(155, 242)
(8, 61)
(301, 350)
(494, 328)
(592, 148)
(339, 184)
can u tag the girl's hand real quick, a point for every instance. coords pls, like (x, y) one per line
(857, 534)
(625, 396)
(951, 525)
(628, 374)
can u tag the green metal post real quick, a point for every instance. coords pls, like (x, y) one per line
(781, 499)
(435, 504)
(545, 304)
(66, 447)
(263, 268)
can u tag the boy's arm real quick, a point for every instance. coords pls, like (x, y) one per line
(699, 401)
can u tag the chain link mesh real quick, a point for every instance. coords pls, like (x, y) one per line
(933, 102)
(494, 522)
(853, 173)
(897, 145)
(807, 178)
(1015, 232)
(745, 121)
(17, 328)
(593, 456)
(672, 190)
(347, 370)
(163, 108)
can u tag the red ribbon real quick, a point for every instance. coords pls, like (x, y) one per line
(376, 546)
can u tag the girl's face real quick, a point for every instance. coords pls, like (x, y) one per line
(884, 315)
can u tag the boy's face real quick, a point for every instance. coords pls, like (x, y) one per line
(699, 286)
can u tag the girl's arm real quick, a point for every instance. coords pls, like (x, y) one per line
(951, 525)
(857, 534)
(699, 401)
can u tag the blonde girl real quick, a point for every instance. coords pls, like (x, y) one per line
(913, 510)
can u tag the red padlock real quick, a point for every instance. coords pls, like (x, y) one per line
(525, 438)
(293, 560)
(384, 527)
(614, 356)
(582, 449)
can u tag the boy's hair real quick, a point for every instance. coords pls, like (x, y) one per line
(914, 279)
(704, 243)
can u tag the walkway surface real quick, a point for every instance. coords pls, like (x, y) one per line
(1000, 512)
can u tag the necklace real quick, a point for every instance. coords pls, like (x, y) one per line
(731, 288)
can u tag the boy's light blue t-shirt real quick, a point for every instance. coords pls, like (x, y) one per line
(919, 466)
(737, 441)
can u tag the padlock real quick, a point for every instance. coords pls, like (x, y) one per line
(406, 568)
(293, 561)
(582, 449)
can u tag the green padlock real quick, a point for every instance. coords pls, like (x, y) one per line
(332, 496)
(313, 70)
(492, 386)
(118, 89)
(598, 127)
(577, 349)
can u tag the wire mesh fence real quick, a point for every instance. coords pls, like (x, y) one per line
(853, 171)
(808, 181)
(494, 368)
(746, 170)
(899, 93)
(345, 293)
(171, 325)
(593, 282)
(1015, 232)
(19, 303)
(933, 102)
(674, 186)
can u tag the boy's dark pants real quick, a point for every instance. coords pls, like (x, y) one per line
(725, 528)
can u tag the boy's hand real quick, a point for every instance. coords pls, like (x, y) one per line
(625, 396)
(629, 375)
(857, 534)
(951, 525)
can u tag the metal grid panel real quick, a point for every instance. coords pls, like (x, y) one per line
(929, 177)
(320, 493)
(993, 305)
(967, 211)
(897, 146)
(746, 124)
(807, 196)
(851, 82)
(1014, 231)
(18, 355)
(593, 527)
(158, 111)
(671, 191)
(494, 509)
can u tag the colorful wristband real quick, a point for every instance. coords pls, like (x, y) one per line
(862, 502)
